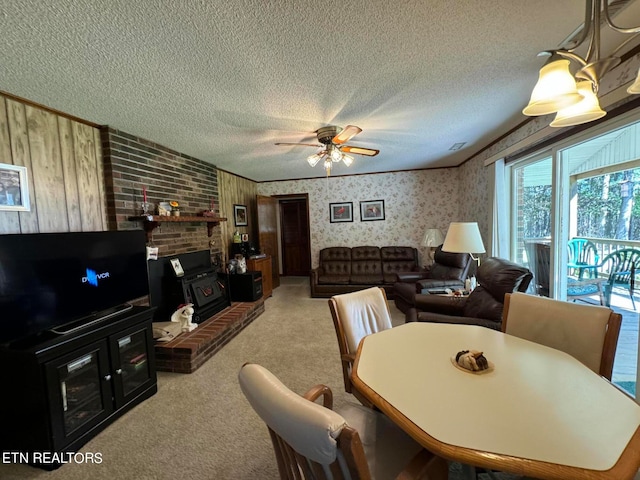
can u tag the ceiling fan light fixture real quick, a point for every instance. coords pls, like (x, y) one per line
(327, 166)
(335, 154)
(313, 159)
(348, 160)
(556, 89)
(584, 111)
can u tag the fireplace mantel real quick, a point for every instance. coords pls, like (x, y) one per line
(153, 221)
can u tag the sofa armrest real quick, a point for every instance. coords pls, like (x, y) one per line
(447, 305)
(440, 318)
(412, 277)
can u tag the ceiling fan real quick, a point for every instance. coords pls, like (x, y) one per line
(332, 148)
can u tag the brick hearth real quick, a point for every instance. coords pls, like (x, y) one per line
(190, 350)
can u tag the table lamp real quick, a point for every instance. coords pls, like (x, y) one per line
(464, 237)
(432, 238)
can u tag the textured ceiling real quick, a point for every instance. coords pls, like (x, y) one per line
(224, 81)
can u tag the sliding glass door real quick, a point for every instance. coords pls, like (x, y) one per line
(586, 189)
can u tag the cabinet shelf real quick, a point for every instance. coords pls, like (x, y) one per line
(151, 222)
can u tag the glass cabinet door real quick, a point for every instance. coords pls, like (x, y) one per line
(132, 362)
(81, 391)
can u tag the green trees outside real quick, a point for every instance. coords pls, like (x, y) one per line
(608, 207)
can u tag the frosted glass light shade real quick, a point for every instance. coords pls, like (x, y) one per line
(463, 237)
(585, 111)
(432, 238)
(313, 159)
(348, 160)
(634, 89)
(555, 90)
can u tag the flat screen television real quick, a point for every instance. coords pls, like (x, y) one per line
(61, 281)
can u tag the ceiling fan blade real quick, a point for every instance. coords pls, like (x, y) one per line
(347, 134)
(300, 144)
(359, 150)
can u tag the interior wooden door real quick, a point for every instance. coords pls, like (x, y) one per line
(268, 233)
(294, 237)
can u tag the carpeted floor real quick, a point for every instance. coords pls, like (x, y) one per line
(199, 426)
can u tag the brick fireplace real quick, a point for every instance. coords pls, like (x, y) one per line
(187, 352)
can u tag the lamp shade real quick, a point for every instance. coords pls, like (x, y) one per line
(432, 238)
(587, 110)
(634, 89)
(463, 237)
(556, 89)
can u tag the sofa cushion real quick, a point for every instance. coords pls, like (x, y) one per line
(335, 266)
(366, 266)
(396, 260)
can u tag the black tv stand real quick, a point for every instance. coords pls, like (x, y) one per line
(60, 391)
(90, 320)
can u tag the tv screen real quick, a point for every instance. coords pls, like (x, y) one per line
(52, 279)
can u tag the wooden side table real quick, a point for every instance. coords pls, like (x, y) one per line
(263, 265)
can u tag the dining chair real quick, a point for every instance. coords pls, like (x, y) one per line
(312, 441)
(589, 333)
(621, 266)
(356, 315)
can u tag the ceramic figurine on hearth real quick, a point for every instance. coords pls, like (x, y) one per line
(183, 316)
(242, 264)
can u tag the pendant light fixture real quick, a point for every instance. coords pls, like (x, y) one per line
(557, 91)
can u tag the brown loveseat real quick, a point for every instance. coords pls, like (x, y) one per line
(348, 269)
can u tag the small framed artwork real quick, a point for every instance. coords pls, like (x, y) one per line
(240, 215)
(177, 267)
(14, 188)
(244, 237)
(371, 210)
(341, 212)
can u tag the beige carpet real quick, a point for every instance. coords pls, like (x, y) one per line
(199, 426)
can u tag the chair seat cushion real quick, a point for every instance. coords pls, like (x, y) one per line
(575, 289)
(334, 279)
(387, 448)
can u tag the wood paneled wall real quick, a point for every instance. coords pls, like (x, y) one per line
(236, 190)
(64, 168)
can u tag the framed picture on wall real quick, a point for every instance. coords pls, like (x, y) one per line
(240, 215)
(371, 210)
(341, 212)
(14, 188)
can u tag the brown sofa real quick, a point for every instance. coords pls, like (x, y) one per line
(348, 269)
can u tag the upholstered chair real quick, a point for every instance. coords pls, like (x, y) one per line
(448, 270)
(587, 332)
(356, 315)
(311, 441)
(496, 277)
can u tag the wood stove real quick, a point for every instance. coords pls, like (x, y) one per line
(199, 285)
(206, 291)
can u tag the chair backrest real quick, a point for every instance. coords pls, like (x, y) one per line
(542, 268)
(582, 252)
(451, 266)
(496, 277)
(310, 441)
(356, 315)
(589, 333)
(359, 314)
(622, 265)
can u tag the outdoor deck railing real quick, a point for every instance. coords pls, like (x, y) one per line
(605, 246)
